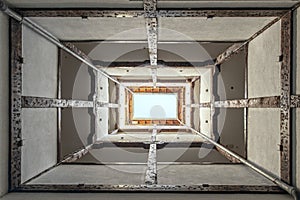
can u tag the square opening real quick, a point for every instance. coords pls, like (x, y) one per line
(155, 106)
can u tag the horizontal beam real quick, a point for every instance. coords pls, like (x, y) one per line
(141, 13)
(295, 101)
(261, 102)
(147, 188)
(108, 105)
(43, 102)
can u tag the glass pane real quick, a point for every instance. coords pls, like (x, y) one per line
(154, 106)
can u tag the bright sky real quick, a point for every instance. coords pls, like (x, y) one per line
(154, 106)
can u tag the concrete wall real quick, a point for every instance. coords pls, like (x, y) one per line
(4, 108)
(263, 65)
(39, 126)
(264, 80)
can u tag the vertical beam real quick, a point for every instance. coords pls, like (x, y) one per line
(295, 101)
(152, 32)
(16, 108)
(151, 173)
(285, 71)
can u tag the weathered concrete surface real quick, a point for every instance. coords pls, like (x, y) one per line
(40, 66)
(145, 196)
(4, 103)
(95, 28)
(94, 174)
(263, 63)
(39, 151)
(199, 29)
(203, 29)
(210, 174)
(264, 138)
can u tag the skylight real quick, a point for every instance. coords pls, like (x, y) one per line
(155, 106)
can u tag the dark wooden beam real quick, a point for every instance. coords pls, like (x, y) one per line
(261, 102)
(43, 102)
(151, 172)
(141, 13)
(150, 188)
(295, 101)
(285, 78)
(16, 69)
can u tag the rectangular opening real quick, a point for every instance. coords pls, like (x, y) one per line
(156, 106)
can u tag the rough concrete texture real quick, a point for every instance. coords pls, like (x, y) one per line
(263, 63)
(167, 174)
(40, 65)
(39, 151)
(232, 136)
(297, 148)
(4, 103)
(94, 174)
(264, 138)
(94, 28)
(183, 28)
(203, 29)
(145, 196)
(210, 174)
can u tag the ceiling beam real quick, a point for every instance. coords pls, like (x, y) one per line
(152, 34)
(259, 102)
(151, 173)
(44, 102)
(208, 13)
(295, 101)
(285, 98)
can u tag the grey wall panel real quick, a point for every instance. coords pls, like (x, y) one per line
(264, 138)
(39, 151)
(263, 63)
(4, 108)
(40, 65)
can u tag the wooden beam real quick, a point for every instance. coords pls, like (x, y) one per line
(260, 102)
(141, 13)
(152, 33)
(147, 188)
(16, 70)
(285, 78)
(43, 102)
(151, 173)
(295, 101)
